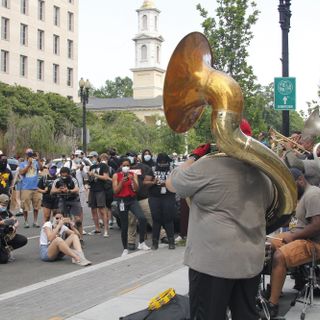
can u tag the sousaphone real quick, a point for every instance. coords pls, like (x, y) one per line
(191, 83)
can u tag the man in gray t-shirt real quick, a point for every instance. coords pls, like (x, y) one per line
(296, 246)
(226, 233)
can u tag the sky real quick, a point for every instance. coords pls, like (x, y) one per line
(106, 49)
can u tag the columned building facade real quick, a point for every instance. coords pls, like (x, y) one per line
(39, 45)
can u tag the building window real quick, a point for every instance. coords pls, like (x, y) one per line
(144, 52)
(144, 22)
(4, 28)
(6, 3)
(40, 39)
(23, 66)
(23, 34)
(24, 6)
(158, 54)
(56, 16)
(4, 61)
(56, 44)
(55, 73)
(70, 21)
(40, 69)
(41, 5)
(70, 49)
(69, 77)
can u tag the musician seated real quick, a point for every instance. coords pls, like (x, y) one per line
(9, 239)
(294, 248)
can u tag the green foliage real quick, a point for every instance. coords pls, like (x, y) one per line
(119, 88)
(46, 122)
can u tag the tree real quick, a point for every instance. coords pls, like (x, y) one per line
(119, 88)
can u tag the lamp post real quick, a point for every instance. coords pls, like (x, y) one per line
(84, 95)
(285, 15)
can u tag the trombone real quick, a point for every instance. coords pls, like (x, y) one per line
(278, 139)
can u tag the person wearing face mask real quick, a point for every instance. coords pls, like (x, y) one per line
(294, 247)
(162, 202)
(98, 176)
(146, 158)
(49, 202)
(8, 231)
(6, 177)
(125, 185)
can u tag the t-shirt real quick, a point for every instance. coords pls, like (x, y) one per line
(157, 190)
(5, 181)
(30, 178)
(46, 181)
(227, 225)
(70, 183)
(308, 207)
(96, 184)
(43, 236)
(142, 170)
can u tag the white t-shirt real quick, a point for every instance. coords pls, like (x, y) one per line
(43, 236)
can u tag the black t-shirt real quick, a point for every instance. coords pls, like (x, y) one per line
(5, 181)
(158, 190)
(70, 182)
(142, 170)
(46, 182)
(97, 185)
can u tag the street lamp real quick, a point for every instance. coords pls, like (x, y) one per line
(285, 15)
(84, 95)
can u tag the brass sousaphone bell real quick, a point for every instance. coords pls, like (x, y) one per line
(191, 83)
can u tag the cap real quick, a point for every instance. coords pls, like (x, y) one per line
(53, 165)
(245, 127)
(29, 150)
(296, 173)
(131, 154)
(163, 157)
(4, 199)
(93, 154)
(78, 152)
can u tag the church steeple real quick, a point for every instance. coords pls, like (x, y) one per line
(147, 73)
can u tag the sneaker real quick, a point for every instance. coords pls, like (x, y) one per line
(26, 225)
(11, 257)
(19, 213)
(124, 253)
(83, 262)
(94, 232)
(178, 239)
(132, 246)
(101, 223)
(35, 225)
(143, 246)
(84, 232)
(106, 234)
(111, 224)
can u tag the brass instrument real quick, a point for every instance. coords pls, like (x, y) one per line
(190, 84)
(277, 140)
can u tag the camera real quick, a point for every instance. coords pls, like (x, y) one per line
(8, 227)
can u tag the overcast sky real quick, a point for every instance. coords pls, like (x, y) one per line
(106, 49)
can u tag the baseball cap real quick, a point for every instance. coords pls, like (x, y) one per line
(29, 150)
(93, 154)
(4, 199)
(78, 152)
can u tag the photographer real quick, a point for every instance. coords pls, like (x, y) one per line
(53, 246)
(49, 202)
(9, 239)
(67, 190)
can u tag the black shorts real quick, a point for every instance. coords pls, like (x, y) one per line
(70, 207)
(97, 199)
(50, 204)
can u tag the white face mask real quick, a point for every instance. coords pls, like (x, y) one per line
(147, 157)
(103, 161)
(125, 169)
(131, 159)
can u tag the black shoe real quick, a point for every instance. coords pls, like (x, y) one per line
(171, 243)
(273, 311)
(155, 245)
(131, 246)
(164, 240)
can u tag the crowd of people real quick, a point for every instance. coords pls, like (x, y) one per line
(227, 215)
(131, 186)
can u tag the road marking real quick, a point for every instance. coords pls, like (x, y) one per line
(49, 282)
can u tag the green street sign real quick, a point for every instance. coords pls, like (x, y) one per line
(285, 93)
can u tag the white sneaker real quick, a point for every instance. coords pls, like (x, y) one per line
(125, 252)
(84, 232)
(143, 246)
(106, 234)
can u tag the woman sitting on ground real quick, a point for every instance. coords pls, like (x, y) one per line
(54, 247)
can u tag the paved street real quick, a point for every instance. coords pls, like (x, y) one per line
(110, 288)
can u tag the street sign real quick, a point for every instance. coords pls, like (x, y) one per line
(285, 93)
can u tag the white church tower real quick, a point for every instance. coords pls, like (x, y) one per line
(147, 73)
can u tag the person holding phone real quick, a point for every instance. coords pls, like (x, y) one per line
(125, 186)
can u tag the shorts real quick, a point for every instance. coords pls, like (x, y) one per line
(297, 252)
(44, 254)
(69, 208)
(50, 204)
(97, 199)
(30, 197)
